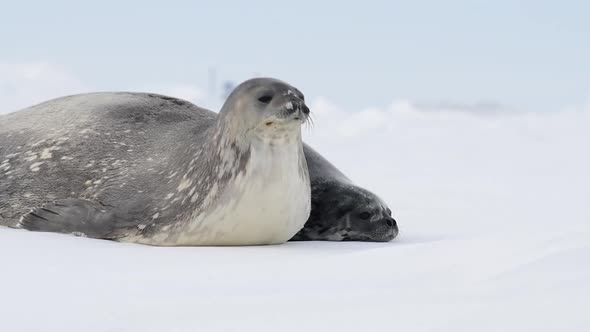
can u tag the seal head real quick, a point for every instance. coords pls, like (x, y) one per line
(341, 210)
(344, 212)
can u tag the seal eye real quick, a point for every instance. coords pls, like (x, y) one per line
(364, 215)
(265, 99)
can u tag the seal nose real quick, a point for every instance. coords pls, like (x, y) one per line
(295, 103)
(298, 108)
(393, 227)
(300, 105)
(304, 108)
(391, 222)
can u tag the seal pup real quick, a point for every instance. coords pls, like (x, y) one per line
(342, 211)
(112, 166)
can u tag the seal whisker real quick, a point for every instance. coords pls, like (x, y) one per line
(309, 123)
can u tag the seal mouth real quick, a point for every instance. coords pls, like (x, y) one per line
(285, 118)
(289, 114)
(385, 238)
(376, 235)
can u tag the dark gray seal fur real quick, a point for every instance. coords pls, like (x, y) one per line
(341, 210)
(158, 170)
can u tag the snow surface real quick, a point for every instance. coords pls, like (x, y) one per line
(495, 236)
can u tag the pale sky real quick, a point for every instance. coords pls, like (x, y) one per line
(524, 55)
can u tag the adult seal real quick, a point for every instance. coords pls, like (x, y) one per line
(150, 169)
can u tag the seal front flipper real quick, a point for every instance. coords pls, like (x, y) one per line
(74, 216)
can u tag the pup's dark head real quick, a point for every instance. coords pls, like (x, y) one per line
(344, 212)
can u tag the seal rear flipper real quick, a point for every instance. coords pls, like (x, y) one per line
(73, 216)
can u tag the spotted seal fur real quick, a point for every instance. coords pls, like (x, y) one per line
(149, 169)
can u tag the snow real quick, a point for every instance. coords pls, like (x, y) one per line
(494, 219)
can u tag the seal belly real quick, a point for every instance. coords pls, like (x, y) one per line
(267, 204)
(274, 204)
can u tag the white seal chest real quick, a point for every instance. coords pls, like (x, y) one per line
(266, 204)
